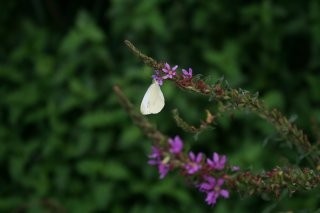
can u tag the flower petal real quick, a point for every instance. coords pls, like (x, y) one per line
(211, 198)
(215, 157)
(220, 182)
(199, 158)
(224, 193)
(192, 156)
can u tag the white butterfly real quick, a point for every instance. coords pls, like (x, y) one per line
(153, 100)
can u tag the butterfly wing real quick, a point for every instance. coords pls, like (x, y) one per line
(153, 100)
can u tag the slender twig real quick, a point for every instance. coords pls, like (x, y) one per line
(146, 59)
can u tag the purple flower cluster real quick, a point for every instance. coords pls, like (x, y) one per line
(169, 72)
(160, 158)
(156, 158)
(171, 156)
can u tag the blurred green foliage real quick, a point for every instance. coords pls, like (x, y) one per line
(66, 145)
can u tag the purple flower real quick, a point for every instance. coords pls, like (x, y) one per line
(217, 161)
(194, 165)
(157, 77)
(235, 168)
(187, 74)
(176, 145)
(155, 156)
(212, 187)
(163, 169)
(170, 72)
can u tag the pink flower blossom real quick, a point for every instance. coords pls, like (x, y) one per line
(170, 72)
(163, 169)
(155, 156)
(212, 187)
(235, 168)
(157, 77)
(187, 74)
(194, 164)
(176, 145)
(156, 159)
(217, 162)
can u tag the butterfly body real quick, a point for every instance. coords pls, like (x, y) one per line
(153, 100)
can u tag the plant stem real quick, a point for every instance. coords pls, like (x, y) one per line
(233, 99)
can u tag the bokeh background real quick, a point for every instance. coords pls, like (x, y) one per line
(68, 146)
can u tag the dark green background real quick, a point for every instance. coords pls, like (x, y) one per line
(67, 145)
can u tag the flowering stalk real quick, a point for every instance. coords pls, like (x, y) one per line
(238, 99)
(213, 175)
(208, 175)
(167, 155)
(275, 181)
